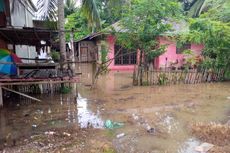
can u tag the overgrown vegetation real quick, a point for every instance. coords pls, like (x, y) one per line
(55, 56)
(78, 22)
(215, 36)
(162, 79)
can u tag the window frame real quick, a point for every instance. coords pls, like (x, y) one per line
(120, 60)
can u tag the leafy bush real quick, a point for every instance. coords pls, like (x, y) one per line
(65, 90)
(55, 56)
(104, 55)
(162, 80)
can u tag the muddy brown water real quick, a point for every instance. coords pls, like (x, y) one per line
(168, 110)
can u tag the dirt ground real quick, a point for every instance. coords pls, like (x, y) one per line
(217, 134)
(62, 140)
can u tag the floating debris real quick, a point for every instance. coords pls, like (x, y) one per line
(120, 135)
(50, 133)
(151, 130)
(34, 126)
(142, 122)
(112, 125)
(66, 134)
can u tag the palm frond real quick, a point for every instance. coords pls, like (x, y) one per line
(70, 7)
(196, 8)
(47, 9)
(90, 11)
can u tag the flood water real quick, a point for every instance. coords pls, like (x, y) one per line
(156, 119)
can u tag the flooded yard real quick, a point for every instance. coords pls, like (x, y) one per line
(157, 119)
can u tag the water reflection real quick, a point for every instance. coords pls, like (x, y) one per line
(86, 118)
(189, 146)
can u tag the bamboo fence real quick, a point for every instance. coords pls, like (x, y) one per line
(168, 77)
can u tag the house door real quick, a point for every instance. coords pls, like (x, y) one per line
(84, 54)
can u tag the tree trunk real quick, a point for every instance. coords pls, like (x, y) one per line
(72, 51)
(140, 69)
(61, 23)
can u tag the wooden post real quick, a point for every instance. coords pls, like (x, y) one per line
(71, 55)
(51, 87)
(1, 97)
(41, 88)
(22, 94)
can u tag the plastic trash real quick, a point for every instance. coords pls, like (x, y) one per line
(50, 133)
(112, 125)
(34, 125)
(66, 134)
(228, 97)
(120, 135)
(204, 147)
(151, 130)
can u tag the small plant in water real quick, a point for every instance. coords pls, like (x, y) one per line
(162, 80)
(65, 90)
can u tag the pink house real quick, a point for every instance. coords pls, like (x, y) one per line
(89, 49)
(172, 56)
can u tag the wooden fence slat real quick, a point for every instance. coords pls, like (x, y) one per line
(176, 76)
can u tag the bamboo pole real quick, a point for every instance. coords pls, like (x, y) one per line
(38, 82)
(22, 94)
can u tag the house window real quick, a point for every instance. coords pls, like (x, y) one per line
(124, 56)
(181, 48)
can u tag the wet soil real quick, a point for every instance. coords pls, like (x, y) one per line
(156, 119)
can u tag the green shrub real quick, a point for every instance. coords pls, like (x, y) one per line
(55, 56)
(65, 90)
(162, 80)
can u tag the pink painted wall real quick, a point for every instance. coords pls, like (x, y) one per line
(171, 54)
(159, 62)
(111, 44)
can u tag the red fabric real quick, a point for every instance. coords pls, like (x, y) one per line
(16, 58)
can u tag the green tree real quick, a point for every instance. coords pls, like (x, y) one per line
(215, 36)
(112, 11)
(195, 8)
(219, 11)
(145, 21)
(90, 11)
(77, 21)
(70, 7)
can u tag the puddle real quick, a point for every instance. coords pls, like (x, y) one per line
(168, 122)
(189, 146)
